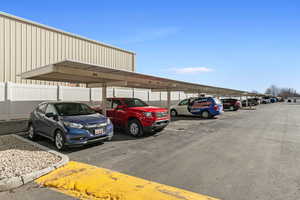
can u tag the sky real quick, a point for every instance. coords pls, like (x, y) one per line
(245, 45)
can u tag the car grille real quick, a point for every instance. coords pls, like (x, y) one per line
(161, 114)
(89, 126)
(92, 127)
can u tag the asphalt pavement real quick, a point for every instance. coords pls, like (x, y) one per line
(243, 155)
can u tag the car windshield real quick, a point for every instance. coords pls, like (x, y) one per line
(135, 103)
(69, 109)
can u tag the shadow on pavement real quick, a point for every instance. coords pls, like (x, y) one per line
(189, 118)
(118, 136)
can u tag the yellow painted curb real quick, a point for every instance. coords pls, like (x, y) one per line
(89, 182)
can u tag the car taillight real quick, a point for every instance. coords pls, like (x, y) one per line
(216, 107)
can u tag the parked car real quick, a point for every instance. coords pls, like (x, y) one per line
(266, 100)
(206, 107)
(135, 116)
(273, 100)
(251, 102)
(231, 104)
(69, 124)
(280, 99)
(181, 108)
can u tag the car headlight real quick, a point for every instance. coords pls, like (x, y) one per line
(148, 114)
(73, 125)
(108, 121)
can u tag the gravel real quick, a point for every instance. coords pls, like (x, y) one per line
(19, 158)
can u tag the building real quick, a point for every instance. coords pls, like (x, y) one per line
(25, 45)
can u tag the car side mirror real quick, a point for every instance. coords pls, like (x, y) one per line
(51, 115)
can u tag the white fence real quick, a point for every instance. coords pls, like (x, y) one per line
(2, 92)
(73, 93)
(24, 92)
(18, 100)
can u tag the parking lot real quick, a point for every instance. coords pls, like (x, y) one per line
(248, 154)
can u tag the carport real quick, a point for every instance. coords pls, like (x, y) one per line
(97, 76)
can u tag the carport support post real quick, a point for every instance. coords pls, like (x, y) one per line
(104, 95)
(114, 92)
(169, 99)
(58, 91)
(241, 100)
(90, 95)
(250, 106)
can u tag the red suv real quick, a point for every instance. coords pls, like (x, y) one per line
(231, 104)
(135, 116)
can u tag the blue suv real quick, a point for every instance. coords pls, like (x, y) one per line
(206, 107)
(69, 124)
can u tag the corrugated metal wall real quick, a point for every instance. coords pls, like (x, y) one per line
(25, 46)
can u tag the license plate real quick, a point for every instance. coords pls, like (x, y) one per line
(99, 131)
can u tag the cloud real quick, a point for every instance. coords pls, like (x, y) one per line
(191, 70)
(151, 34)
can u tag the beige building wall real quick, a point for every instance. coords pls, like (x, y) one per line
(25, 45)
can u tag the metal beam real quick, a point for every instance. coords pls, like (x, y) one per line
(108, 84)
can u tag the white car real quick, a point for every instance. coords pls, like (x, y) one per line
(181, 108)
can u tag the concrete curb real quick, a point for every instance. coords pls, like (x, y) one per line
(14, 182)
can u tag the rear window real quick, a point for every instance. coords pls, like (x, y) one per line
(217, 101)
(184, 102)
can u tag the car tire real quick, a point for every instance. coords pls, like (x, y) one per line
(231, 108)
(174, 113)
(205, 114)
(59, 140)
(135, 128)
(31, 132)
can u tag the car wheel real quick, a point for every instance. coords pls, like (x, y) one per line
(174, 113)
(59, 141)
(135, 128)
(231, 108)
(31, 132)
(205, 114)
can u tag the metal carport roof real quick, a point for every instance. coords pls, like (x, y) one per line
(95, 76)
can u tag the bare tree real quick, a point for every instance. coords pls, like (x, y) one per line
(283, 92)
(273, 90)
(288, 92)
(268, 91)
